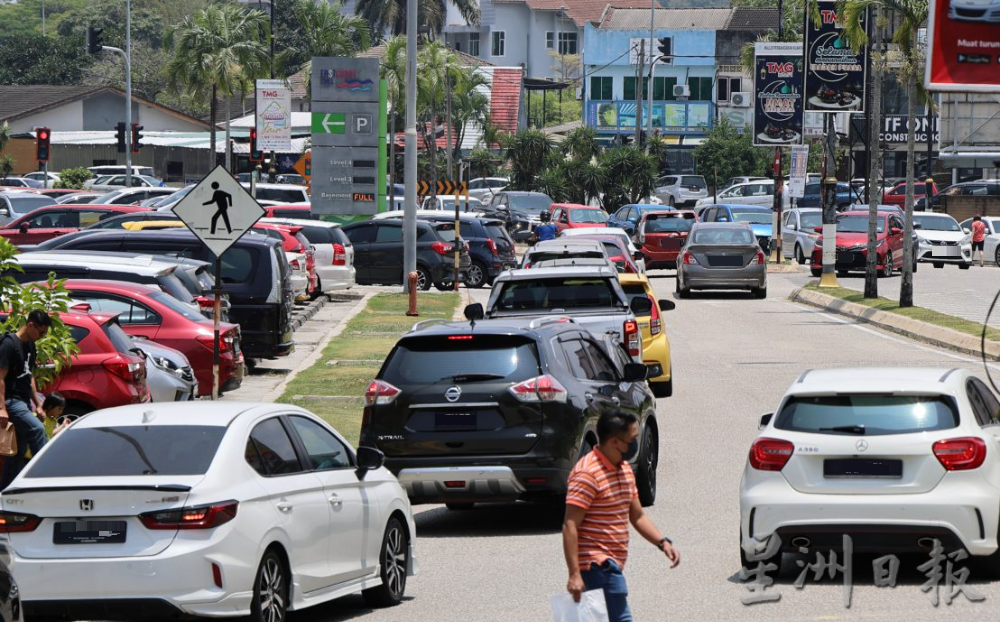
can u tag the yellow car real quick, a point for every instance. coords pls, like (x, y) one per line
(151, 225)
(655, 345)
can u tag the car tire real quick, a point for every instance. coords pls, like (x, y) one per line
(270, 590)
(477, 275)
(888, 268)
(799, 255)
(816, 272)
(683, 292)
(670, 201)
(938, 265)
(841, 273)
(759, 292)
(459, 507)
(964, 266)
(423, 279)
(645, 477)
(663, 389)
(318, 291)
(394, 557)
(996, 256)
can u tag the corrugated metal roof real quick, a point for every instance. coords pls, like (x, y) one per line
(188, 140)
(621, 18)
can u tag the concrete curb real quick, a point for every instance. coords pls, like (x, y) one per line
(309, 311)
(892, 322)
(317, 354)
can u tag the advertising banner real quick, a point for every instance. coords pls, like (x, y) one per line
(963, 37)
(778, 80)
(797, 171)
(835, 73)
(274, 116)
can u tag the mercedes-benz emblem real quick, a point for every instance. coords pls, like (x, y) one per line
(86, 504)
(861, 445)
(453, 394)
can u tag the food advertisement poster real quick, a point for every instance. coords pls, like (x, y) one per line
(778, 97)
(835, 73)
(964, 43)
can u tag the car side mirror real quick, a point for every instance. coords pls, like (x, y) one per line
(369, 459)
(474, 312)
(4, 212)
(966, 230)
(895, 231)
(638, 256)
(641, 304)
(764, 420)
(628, 227)
(24, 227)
(666, 305)
(635, 372)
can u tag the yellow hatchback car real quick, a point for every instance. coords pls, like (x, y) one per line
(655, 345)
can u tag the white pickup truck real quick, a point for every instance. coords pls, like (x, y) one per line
(590, 295)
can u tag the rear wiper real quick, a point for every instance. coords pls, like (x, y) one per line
(851, 429)
(475, 377)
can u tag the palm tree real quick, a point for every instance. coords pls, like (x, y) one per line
(581, 143)
(911, 15)
(390, 15)
(527, 153)
(220, 49)
(327, 32)
(469, 106)
(436, 64)
(393, 70)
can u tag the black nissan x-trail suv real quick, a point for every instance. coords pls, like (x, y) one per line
(501, 410)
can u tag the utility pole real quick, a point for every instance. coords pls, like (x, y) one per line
(779, 190)
(638, 90)
(874, 115)
(652, 68)
(272, 169)
(447, 124)
(410, 165)
(827, 189)
(128, 90)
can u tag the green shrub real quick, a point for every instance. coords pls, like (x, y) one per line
(73, 178)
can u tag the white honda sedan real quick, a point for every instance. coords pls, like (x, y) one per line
(206, 509)
(893, 458)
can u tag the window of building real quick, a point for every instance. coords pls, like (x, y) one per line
(663, 88)
(550, 40)
(600, 87)
(474, 43)
(630, 88)
(728, 86)
(567, 43)
(499, 43)
(701, 89)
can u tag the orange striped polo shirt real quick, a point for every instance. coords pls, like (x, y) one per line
(605, 491)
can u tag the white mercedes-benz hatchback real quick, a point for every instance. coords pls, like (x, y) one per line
(206, 509)
(893, 458)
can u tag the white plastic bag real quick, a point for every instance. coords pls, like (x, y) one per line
(591, 608)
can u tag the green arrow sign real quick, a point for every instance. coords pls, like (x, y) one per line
(329, 122)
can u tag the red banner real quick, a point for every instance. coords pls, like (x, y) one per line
(964, 44)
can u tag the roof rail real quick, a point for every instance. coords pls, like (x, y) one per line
(422, 324)
(549, 320)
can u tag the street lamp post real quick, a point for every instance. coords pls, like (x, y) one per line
(127, 57)
(410, 136)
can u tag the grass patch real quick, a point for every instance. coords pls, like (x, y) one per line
(322, 379)
(917, 313)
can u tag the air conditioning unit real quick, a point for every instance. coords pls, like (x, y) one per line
(682, 90)
(740, 100)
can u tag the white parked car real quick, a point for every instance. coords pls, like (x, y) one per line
(752, 193)
(991, 246)
(39, 176)
(798, 232)
(637, 256)
(681, 190)
(279, 193)
(892, 457)
(107, 183)
(334, 253)
(483, 188)
(446, 202)
(119, 169)
(197, 509)
(132, 196)
(940, 240)
(78, 198)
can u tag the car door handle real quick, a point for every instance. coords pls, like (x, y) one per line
(336, 501)
(284, 506)
(589, 396)
(616, 401)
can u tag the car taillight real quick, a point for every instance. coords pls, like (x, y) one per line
(770, 454)
(654, 317)
(295, 264)
(441, 248)
(633, 342)
(339, 255)
(205, 302)
(380, 393)
(124, 368)
(760, 258)
(201, 517)
(960, 454)
(12, 522)
(539, 389)
(226, 341)
(688, 258)
(492, 246)
(629, 269)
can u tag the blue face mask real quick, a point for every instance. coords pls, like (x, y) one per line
(633, 449)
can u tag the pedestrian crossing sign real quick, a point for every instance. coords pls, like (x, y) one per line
(218, 210)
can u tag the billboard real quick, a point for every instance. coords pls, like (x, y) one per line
(835, 73)
(964, 41)
(274, 115)
(777, 86)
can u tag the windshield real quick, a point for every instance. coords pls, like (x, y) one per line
(756, 217)
(556, 293)
(26, 203)
(590, 216)
(431, 360)
(723, 236)
(668, 225)
(857, 224)
(936, 223)
(534, 258)
(871, 415)
(129, 451)
(811, 220)
(281, 195)
(532, 203)
(695, 181)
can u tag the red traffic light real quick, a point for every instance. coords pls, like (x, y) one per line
(42, 137)
(256, 155)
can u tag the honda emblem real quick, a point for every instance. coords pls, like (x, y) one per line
(86, 504)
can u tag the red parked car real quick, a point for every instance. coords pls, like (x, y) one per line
(147, 311)
(616, 249)
(51, 221)
(574, 215)
(301, 254)
(288, 210)
(897, 196)
(662, 234)
(852, 244)
(106, 372)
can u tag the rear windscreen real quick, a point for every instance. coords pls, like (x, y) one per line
(282, 196)
(118, 337)
(319, 235)
(636, 291)
(128, 451)
(693, 181)
(556, 293)
(722, 236)
(869, 415)
(669, 225)
(455, 358)
(534, 258)
(173, 286)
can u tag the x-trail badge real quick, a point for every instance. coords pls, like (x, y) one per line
(452, 394)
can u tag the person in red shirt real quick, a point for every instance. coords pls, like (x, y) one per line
(978, 237)
(601, 501)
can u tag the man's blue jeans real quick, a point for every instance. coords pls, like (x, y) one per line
(30, 435)
(608, 577)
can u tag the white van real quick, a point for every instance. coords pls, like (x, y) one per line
(119, 169)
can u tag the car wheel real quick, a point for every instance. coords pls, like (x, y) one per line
(318, 291)
(477, 275)
(645, 479)
(683, 292)
(888, 267)
(663, 389)
(964, 266)
(816, 272)
(270, 590)
(915, 263)
(841, 273)
(799, 255)
(423, 280)
(938, 265)
(996, 256)
(670, 201)
(393, 562)
(759, 292)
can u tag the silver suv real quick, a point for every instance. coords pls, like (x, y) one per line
(681, 190)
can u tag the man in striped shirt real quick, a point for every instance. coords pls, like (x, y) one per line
(601, 501)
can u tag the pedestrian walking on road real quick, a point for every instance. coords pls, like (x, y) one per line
(978, 238)
(21, 402)
(546, 230)
(601, 501)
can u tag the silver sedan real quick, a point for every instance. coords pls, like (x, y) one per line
(722, 256)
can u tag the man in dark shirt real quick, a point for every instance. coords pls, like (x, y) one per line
(17, 367)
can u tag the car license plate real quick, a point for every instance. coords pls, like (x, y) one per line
(89, 532)
(852, 468)
(843, 257)
(941, 251)
(457, 421)
(725, 261)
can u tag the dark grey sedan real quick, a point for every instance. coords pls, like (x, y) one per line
(721, 255)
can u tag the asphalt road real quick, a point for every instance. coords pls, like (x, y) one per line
(733, 358)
